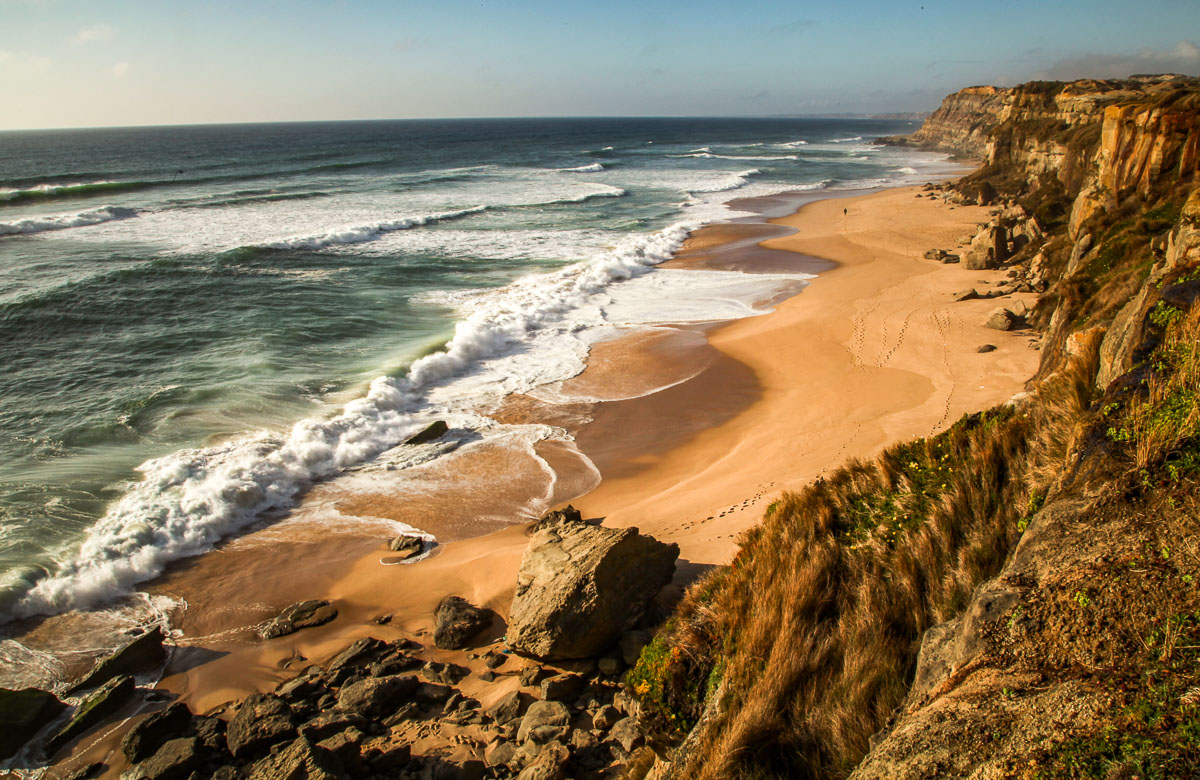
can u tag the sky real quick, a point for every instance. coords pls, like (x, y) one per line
(80, 63)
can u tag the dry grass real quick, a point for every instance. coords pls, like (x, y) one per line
(814, 629)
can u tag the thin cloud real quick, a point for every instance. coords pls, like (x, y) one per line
(1184, 57)
(119, 69)
(96, 32)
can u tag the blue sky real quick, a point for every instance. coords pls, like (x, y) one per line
(71, 63)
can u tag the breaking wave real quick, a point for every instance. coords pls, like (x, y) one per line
(41, 224)
(186, 502)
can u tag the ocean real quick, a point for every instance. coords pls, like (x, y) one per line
(197, 323)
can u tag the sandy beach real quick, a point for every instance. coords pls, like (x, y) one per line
(872, 351)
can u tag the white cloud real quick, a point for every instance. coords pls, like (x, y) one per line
(96, 32)
(119, 69)
(1184, 57)
(5, 56)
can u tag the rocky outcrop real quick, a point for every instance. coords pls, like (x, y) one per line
(581, 585)
(97, 706)
(304, 614)
(142, 654)
(354, 717)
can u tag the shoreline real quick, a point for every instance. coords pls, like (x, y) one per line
(730, 380)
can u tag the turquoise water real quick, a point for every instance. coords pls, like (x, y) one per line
(196, 322)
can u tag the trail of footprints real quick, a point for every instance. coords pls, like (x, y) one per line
(745, 504)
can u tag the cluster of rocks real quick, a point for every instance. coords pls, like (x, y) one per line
(36, 719)
(357, 715)
(555, 707)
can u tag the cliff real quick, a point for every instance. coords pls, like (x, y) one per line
(1016, 596)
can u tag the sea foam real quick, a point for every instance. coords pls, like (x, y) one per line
(42, 224)
(186, 502)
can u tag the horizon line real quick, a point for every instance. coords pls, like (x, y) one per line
(899, 116)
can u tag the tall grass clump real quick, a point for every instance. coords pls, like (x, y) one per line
(784, 663)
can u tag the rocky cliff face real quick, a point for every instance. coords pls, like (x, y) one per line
(1142, 129)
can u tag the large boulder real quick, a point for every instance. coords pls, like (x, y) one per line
(23, 714)
(142, 654)
(304, 614)
(581, 585)
(457, 621)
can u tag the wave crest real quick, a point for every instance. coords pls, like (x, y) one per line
(42, 224)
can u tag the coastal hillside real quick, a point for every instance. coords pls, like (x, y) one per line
(1016, 595)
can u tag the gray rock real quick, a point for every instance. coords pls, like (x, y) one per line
(360, 652)
(548, 765)
(627, 734)
(23, 713)
(605, 717)
(611, 665)
(376, 696)
(978, 260)
(507, 709)
(949, 259)
(581, 585)
(300, 760)
(457, 621)
(260, 722)
(1125, 332)
(174, 760)
(499, 752)
(304, 614)
(1078, 252)
(562, 686)
(986, 348)
(583, 740)
(1000, 319)
(98, 705)
(543, 734)
(407, 546)
(325, 724)
(345, 746)
(142, 654)
(435, 430)
(150, 733)
(210, 731)
(543, 713)
(965, 295)
(532, 675)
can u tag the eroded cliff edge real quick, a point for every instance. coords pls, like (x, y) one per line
(1016, 596)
